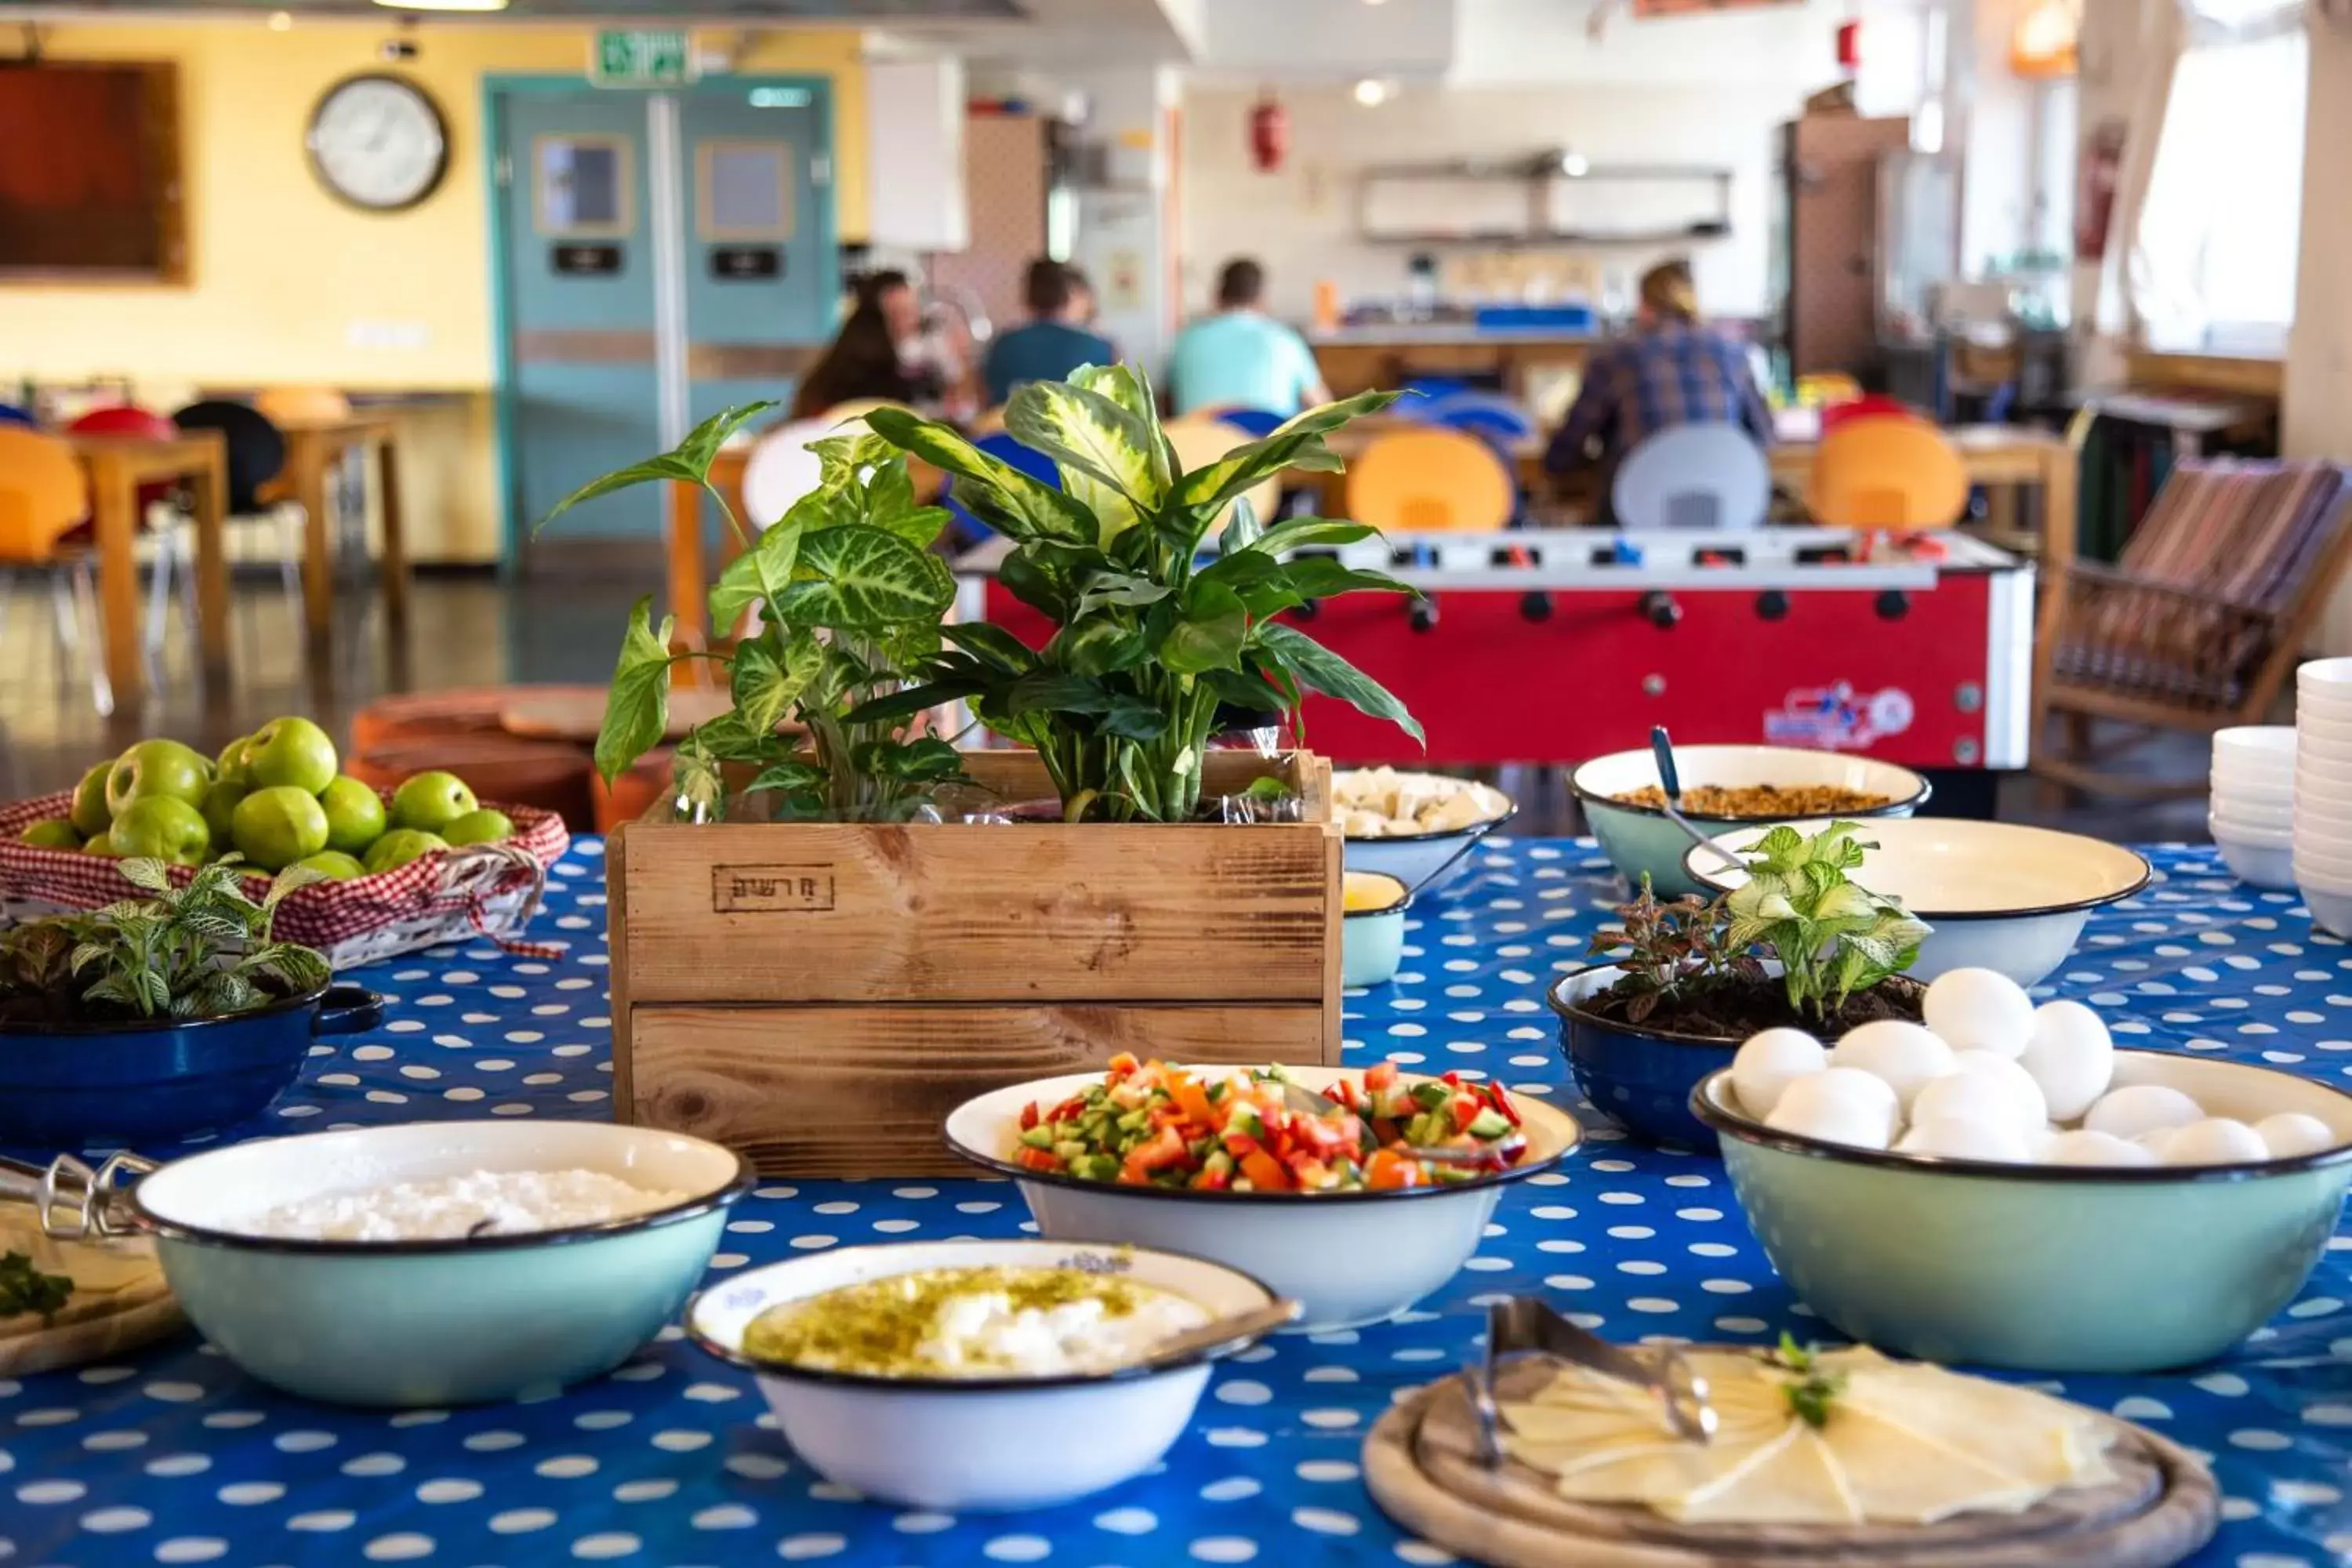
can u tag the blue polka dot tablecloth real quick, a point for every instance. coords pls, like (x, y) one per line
(176, 1456)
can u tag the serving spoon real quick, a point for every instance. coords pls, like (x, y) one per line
(1218, 1333)
(1670, 782)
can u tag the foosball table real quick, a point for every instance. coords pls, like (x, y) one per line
(1553, 645)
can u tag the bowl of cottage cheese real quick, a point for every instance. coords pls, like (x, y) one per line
(975, 1374)
(437, 1262)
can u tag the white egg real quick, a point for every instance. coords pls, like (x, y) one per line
(1980, 1009)
(2215, 1141)
(2086, 1148)
(2291, 1132)
(2071, 1056)
(1964, 1138)
(1767, 1063)
(2141, 1108)
(1906, 1055)
(2017, 1099)
(1839, 1105)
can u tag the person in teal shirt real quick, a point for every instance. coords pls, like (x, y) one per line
(1052, 343)
(1241, 357)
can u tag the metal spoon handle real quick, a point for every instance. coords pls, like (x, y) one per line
(1232, 1329)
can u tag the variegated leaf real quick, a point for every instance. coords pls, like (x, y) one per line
(1104, 453)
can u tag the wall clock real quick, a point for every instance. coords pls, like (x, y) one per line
(378, 141)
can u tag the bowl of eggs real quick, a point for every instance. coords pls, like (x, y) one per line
(2000, 1185)
(1996, 895)
(1415, 827)
(1372, 930)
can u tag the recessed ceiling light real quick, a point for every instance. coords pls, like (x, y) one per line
(1575, 165)
(1372, 92)
(443, 5)
(279, 21)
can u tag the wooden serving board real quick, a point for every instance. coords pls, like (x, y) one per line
(119, 1302)
(1421, 1465)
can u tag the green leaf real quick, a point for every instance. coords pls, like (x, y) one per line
(1243, 531)
(1132, 719)
(1320, 670)
(1027, 579)
(689, 461)
(636, 709)
(917, 527)
(1128, 387)
(1321, 577)
(926, 760)
(702, 443)
(1295, 445)
(1102, 645)
(895, 706)
(1057, 691)
(787, 775)
(1245, 688)
(761, 573)
(758, 685)
(1104, 453)
(864, 579)
(153, 875)
(1300, 531)
(993, 645)
(998, 493)
(1211, 636)
(1124, 588)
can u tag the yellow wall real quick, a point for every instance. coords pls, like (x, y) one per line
(280, 271)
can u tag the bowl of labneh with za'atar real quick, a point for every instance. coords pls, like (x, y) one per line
(1357, 1209)
(968, 1375)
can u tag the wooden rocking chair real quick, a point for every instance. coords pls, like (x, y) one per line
(2197, 625)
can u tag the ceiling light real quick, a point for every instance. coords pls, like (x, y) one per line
(279, 21)
(1575, 165)
(1372, 92)
(443, 5)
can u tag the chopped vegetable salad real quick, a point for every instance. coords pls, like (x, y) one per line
(1151, 1124)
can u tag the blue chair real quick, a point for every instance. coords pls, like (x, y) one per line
(1000, 446)
(1495, 419)
(12, 414)
(1259, 422)
(1709, 475)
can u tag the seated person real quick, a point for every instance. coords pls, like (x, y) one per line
(1053, 342)
(877, 352)
(1670, 369)
(1241, 357)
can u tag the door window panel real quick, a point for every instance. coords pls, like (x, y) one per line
(743, 189)
(581, 185)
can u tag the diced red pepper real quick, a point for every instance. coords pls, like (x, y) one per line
(1028, 1116)
(1382, 1077)
(1239, 1144)
(1452, 1077)
(1388, 1170)
(1165, 1148)
(1265, 1173)
(1495, 1092)
(1344, 1092)
(1194, 1102)
(1464, 1108)
(1123, 1063)
(1039, 1160)
(1212, 1180)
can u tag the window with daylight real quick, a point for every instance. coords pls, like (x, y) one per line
(2214, 265)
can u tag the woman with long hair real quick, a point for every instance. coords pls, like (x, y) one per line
(866, 356)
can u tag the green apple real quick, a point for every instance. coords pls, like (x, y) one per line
(158, 767)
(162, 827)
(400, 845)
(220, 809)
(91, 812)
(481, 826)
(54, 832)
(292, 754)
(232, 767)
(276, 826)
(354, 815)
(333, 864)
(431, 802)
(102, 845)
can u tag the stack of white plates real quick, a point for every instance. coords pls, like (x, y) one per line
(2252, 816)
(2322, 825)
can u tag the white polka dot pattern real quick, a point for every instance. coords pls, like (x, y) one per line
(178, 1458)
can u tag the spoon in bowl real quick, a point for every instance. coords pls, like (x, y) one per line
(1670, 783)
(1232, 1329)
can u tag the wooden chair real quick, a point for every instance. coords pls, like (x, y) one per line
(2199, 623)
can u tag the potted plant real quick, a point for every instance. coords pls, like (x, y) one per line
(820, 989)
(156, 1017)
(1681, 985)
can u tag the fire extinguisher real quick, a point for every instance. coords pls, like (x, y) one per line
(1849, 46)
(1269, 135)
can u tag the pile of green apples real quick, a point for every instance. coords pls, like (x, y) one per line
(277, 798)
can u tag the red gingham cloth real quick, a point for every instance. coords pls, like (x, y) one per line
(317, 916)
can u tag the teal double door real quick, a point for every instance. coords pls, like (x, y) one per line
(662, 254)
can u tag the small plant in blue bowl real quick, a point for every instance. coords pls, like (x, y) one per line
(1680, 984)
(158, 1017)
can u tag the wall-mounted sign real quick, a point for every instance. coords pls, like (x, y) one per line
(640, 57)
(744, 263)
(578, 261)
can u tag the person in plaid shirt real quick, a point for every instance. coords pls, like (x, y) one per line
(1671, 370)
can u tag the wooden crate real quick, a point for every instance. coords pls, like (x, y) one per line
(820, 995)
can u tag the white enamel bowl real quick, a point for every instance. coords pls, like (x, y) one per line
(432, 1322)
(1639, 838)
(2260, 748)
(2259, 860)
(1348, 1257)
(1999, 895)
(1422, 860)
(968, 1445)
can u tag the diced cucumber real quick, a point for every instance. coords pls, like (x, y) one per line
(1489, 1124)
(1430, 1096)
(1096, 1168)
(1218, 1162)
(1072, 1151)
(1039, 1137)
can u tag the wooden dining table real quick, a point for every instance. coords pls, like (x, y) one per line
(118, 466)
(314, 449)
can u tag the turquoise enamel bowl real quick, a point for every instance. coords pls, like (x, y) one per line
(2047, 1269)
(417, 1324)
(1371, 941)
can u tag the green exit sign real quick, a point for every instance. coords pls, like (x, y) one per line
(641, 58)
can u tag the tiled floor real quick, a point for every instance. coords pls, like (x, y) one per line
(474, 631)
